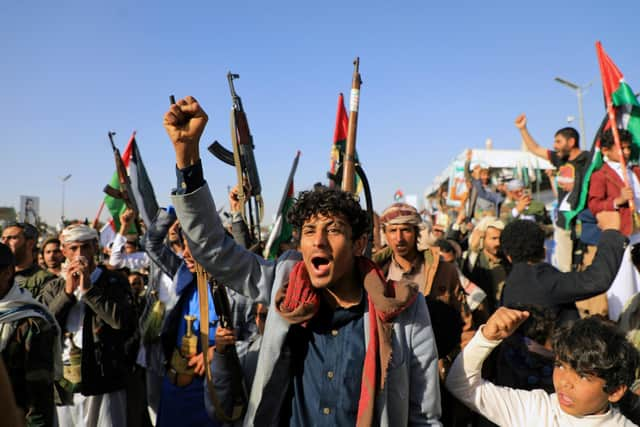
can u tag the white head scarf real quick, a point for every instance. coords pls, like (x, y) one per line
(78, 233)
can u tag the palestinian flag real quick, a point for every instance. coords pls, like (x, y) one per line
(339, 146)
(141, 186)
(282, 230)
(117, 206)
(619, 95)
(339, 142)
(626, 112)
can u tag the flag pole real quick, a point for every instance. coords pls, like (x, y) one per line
(97, 218)
(612, 120)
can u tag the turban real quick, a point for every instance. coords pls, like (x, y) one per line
(480, 164)
(78, 233)
(401, 213)
(514, 184)
(490, 221)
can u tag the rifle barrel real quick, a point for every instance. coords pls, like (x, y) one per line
(348, 178)
(113, 145)
(237, 103)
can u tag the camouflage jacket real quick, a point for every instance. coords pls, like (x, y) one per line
(30, 363)
(34, 279)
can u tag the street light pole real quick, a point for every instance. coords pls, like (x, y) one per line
(579, 91)
(64, 179)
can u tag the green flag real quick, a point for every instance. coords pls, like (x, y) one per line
(282, 230)
(627, 116)
(117, 206)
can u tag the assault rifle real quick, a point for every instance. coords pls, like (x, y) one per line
(238, 386)
(242, 158)
(350, 167)
(124, 193)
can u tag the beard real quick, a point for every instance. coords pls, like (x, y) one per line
(21, 254)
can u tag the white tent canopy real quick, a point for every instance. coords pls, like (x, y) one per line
(495, 159)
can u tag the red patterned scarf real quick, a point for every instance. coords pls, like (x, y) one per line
(298, 301)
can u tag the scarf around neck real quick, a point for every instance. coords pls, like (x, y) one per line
(19, 304)
(297, 301)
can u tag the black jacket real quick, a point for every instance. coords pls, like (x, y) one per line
(108, 322)
(542, 284)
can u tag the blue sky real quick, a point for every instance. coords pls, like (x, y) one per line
(436, 79)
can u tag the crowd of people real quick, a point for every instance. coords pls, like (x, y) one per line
(465, 324)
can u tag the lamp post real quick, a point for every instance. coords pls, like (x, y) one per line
(579, 91)
(64, 179)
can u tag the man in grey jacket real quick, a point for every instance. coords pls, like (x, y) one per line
(342, 346)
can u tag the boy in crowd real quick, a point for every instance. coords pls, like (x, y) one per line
(594, 367)
(607, 188)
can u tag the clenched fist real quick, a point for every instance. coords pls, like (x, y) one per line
(503, 323)
(521, 121)
(184, 122)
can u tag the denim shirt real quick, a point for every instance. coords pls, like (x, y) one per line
(326, 381)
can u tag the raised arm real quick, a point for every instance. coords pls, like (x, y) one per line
(231, 264)
(119, 258)
(467, 165)
(167, 260)
(532, 145)
(597, 278)
(239, 228)
(501, 405)
(226, 260)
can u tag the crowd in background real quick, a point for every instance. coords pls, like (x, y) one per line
(110, 334)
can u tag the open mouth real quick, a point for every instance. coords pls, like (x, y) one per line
(564, 399)
(320, 264)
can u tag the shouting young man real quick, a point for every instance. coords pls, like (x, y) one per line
(343, 346)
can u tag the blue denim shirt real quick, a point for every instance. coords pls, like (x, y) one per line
(326, 381)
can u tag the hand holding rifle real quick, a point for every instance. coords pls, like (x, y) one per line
(184, 122)
(249, 189)
(126, 219)
(234, 200)
(224, 339)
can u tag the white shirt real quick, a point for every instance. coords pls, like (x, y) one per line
(635, 186)
(510, 407)
(75, 319)
(120, 259)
